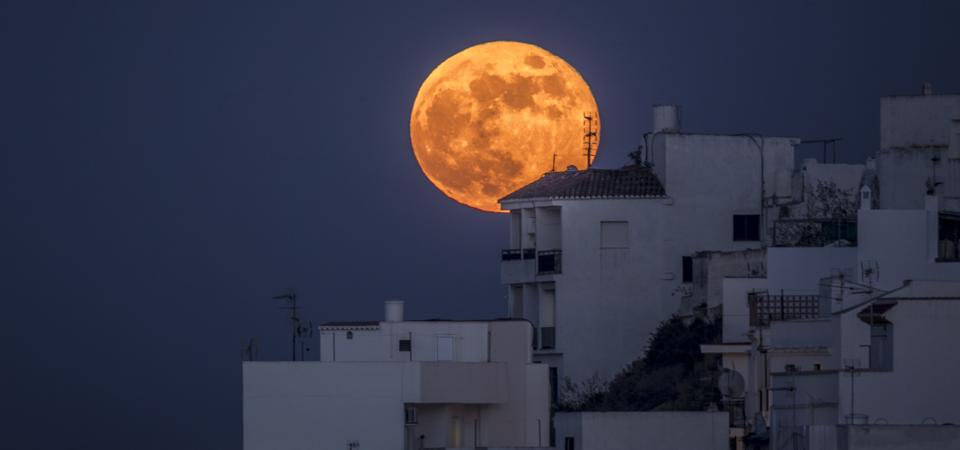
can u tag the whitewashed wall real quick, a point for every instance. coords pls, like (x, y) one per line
(641, 430)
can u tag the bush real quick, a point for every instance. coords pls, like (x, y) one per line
(672, 376)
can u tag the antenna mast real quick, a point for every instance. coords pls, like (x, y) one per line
(589, 136)
(291, 297)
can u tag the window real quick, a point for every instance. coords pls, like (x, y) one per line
(410, 414)
(948, 247)
(746, 227)
(405, 345)
(568, 443)
(881, 346)
(554, 382)
(688, 269)
(614, 234)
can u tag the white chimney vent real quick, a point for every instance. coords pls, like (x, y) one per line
(393, 311)
(666, 119)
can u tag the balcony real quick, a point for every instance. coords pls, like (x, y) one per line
(815, 232)
(525, 265)
(518, 265)
(514, 254)
(548, 262)
(766, 308)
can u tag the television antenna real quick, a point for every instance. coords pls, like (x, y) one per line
(869, 271)
(291, 304)
(249, 352)
(590, 136)
(851, 366)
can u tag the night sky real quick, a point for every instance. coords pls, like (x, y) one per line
(166, 168)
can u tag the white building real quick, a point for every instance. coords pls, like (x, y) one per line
(396, 384)
(631, 430)
(599, 258)
(846, 344)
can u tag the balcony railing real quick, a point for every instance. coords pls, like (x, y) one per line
(548, 262)
(814, 232)
(515, 254)
(766, 308)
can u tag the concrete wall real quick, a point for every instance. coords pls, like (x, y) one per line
(710, 269)
(300, 405)
(736, 308)
(893, 437)
(620, 291)
(491, 395)
(627, 292)
(917, 121)
(913, 131)
(381, 342)
(643, 430)
(912, 255)
(923, 383)
(798, 270)
(525, 417)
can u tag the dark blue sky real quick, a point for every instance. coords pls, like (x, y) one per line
(165, 168)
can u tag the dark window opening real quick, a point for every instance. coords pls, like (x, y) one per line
(948, 246)
(553, 386)
(405, 345)
(746, 227)
(687, 269)
(548, 338)
(881, 346)
(568, 443)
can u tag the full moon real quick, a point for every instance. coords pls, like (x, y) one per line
(496, 117)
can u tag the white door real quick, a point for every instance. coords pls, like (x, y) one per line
(445, 348)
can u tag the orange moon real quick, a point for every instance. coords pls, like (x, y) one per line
(490, 119)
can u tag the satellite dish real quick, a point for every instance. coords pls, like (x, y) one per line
(731, 383)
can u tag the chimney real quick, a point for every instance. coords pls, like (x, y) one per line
(393, 311)
(666, 119)
(866, 197)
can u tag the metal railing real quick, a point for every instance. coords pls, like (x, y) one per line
(766, 308)
(814, 232)
(516, 254)
(549, 262)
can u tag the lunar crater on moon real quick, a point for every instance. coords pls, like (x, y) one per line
(490, 119)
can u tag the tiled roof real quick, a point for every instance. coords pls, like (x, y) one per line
(628, 182)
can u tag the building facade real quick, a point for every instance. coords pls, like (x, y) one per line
(598, 258)
(396, 384)
(842, 343)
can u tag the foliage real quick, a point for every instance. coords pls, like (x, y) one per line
(673, 375)
(831, 210)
